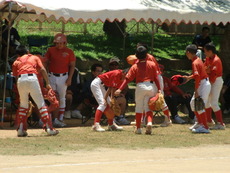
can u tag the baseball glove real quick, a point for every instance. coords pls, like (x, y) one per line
(156, 103)
(109, 112)
(52, 98)
(115, 106)
(199, 104)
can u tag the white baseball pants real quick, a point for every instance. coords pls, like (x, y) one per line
(29, 85)
(203, 91)
(99, 92)
(58, 84)
(213, 99)
(144, 91)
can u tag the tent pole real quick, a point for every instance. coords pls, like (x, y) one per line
(1, 38)
(152, 40)
(124, 39)
(6, 61)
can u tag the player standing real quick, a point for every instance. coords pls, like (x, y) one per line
(214, 70)
(202, 88)
(61, 63)
(145, 73)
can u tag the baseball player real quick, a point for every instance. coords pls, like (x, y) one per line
(61, 63)
(111, 79)
(149, 57)
(214, 70)
(25, 71)
(145, 72)
(202, 88)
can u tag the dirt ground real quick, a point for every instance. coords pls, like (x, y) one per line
(214, 159)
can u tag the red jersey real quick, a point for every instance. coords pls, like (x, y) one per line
(143, 71)
(198, 71)
(169, 87)
(26, 64)
(112, 78)
(59, 59)
(213, 67)
(150, 57)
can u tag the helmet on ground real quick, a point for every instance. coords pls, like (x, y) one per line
(60, 38)
(131, 59)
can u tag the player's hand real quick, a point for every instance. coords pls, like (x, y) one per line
(196, 94)
(48, 86)
(117, 92)
(105, 102)
(68, 82)
(186, 95)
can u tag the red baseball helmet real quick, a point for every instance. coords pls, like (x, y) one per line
(178, 80)
(60, 38)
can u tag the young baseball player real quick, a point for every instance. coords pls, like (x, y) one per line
(214, 70)
(111, 79)
(149, 57)
(145, 72)
(25, 69)
(202, 88)
(61, 64)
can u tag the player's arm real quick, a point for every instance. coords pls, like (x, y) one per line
(71, 71)
(109, 90)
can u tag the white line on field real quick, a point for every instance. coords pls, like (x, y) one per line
(114, 162)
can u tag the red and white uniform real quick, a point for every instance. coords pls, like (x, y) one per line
(109, 79)
(150, 57)
(145, 72)
(169, 87)
(202, 83)
(28, 64)
(214, 69)
(58, 70)
(26, 68)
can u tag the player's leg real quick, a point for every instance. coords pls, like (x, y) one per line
(23, 90)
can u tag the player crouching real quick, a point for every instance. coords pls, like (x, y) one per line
(25, 70)
(111, 79)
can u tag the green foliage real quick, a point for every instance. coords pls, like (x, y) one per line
(94, 44)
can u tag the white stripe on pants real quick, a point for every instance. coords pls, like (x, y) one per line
(29, 85)
(58, 83)
(144, 91)
(99, 92)
(215, 94)
(203, 92)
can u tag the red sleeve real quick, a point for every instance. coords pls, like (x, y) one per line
(124, 84)
(157, 83)
(215, 71)
(196, 76)
(72, 56)
(14, 69)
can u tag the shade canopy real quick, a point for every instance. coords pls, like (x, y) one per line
(160, 11)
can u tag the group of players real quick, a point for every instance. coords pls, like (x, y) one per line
(145, 70)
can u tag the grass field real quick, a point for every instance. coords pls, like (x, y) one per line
(78, 137)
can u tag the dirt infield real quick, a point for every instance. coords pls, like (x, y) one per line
(203, 159)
